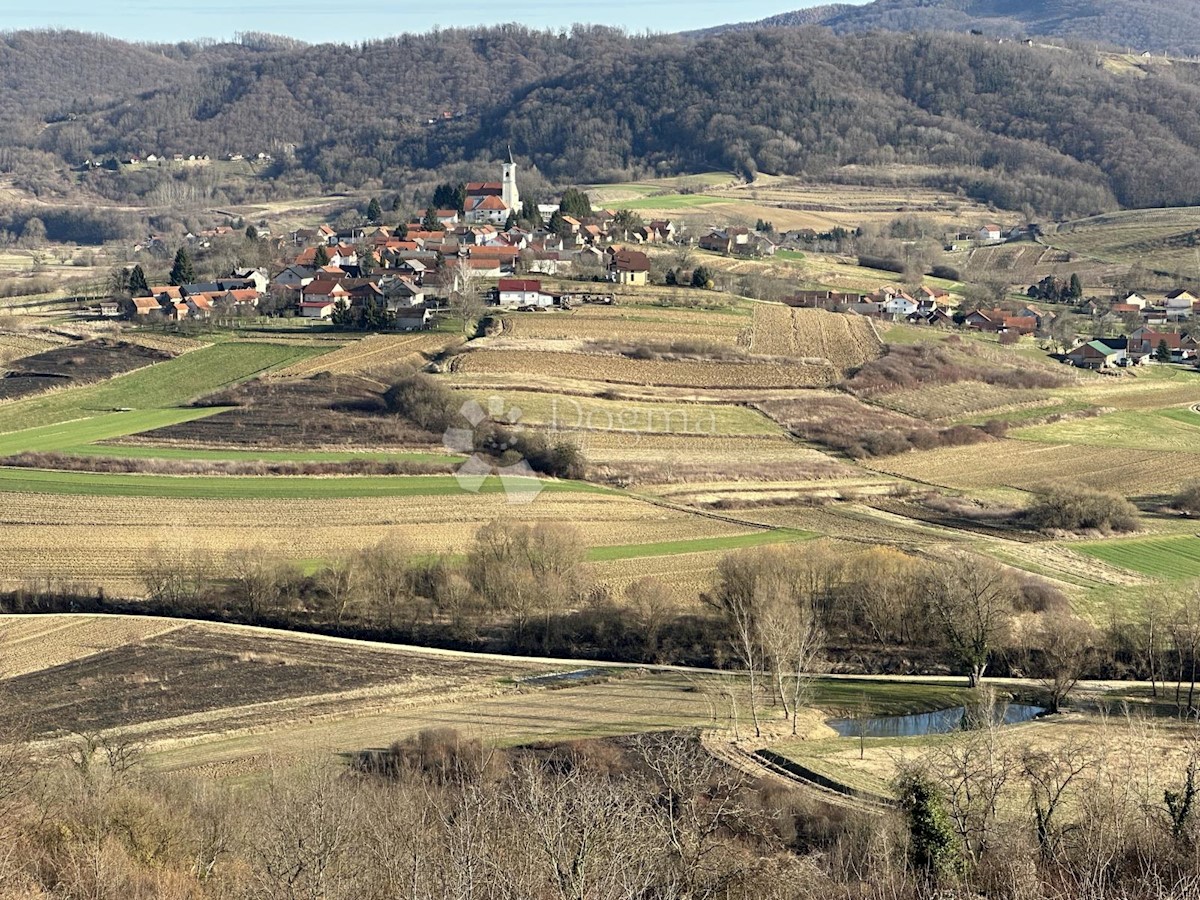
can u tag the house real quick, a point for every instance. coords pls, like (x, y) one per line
(1095, 355)
(628, 266)
(1041, 318)
(725, 240)
(317, 308)
(519, 293)
(990, 234)
(257, 278)
(1000, 321)
(1136, 300)
(295, 276)
(1143, 343)
(900, 304)
(664, 229)
(413, 319)
(401, 292)
(145, 306)
(447, 217)
(1179, 303)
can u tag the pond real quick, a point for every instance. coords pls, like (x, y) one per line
(942, 721)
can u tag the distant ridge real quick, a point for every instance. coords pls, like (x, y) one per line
(1159, 26)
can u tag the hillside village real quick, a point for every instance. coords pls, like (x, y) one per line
(498, 249)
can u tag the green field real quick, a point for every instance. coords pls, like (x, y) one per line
(1165, 557)
(166, 384)
(74, 435)
(230, 487)
(565, 413)
(667, 201)
(1167, 429)
(144, 451)
(698, 545)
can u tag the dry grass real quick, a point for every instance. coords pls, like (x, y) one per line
(31, 643)
(102, 540)
(621, 370)
(846, 341)
(378, 352)
(947, 402)
(1025, 465)
(587, 324)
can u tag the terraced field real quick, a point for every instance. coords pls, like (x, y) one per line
(592, 323)
(943, 403)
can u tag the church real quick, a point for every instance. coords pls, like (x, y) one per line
(490, 202)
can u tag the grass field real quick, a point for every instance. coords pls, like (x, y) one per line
(1160, 557)
(166, 384)
(1169, 429)
(699, 545)
(217, 487)
(74, 435)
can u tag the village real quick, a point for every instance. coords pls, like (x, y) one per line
(497, 250)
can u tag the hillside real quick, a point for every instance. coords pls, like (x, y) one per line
(1162, 26)
(1021, 127)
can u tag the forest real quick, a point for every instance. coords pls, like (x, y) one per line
(1158, 25)
(1049, 130)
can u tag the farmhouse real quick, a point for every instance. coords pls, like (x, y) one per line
(990, 234)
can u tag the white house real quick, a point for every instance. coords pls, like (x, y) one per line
(990, 234)
(295, 277)
(318, 308)
(519, 292)
(900, 305)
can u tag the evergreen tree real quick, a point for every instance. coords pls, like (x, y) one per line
(322, 257)
(511, 222)
(367, 263)
(138, 286)
(342, 316)
(374, 211)
(251, 233)
(182, 271)
(701, 277)
(396, 203)
(558, 224)
(1075, 291)
(575, 203)
(430, 222)
(401, 231)
(1162, 353)
(932, 841)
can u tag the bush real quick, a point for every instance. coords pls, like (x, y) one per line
(423, 401)
(1078, 508)
(947, 272)
(1188, 499)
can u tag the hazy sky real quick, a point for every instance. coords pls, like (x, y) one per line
(321, 20)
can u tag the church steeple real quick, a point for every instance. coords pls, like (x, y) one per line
(509, 194)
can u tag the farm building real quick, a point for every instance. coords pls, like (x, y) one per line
(1095, 355)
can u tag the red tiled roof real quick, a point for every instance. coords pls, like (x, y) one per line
(520, 284)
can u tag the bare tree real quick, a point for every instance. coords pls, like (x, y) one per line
(339, 580)
(464, 300)
(1049, 775)
(385, 579)
(971, 599)
(1066, 645)
(736, 600)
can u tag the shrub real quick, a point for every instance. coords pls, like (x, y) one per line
(947, 272)
(1188, 499)
(1078, 508)
(423, 401)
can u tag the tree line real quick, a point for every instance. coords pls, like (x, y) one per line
(1051, 131)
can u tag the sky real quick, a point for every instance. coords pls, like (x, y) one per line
(169, 21)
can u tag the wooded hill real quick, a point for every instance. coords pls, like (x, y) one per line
(1161, 26)
(1049, 130)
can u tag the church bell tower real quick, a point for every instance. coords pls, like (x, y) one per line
(510, 195)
